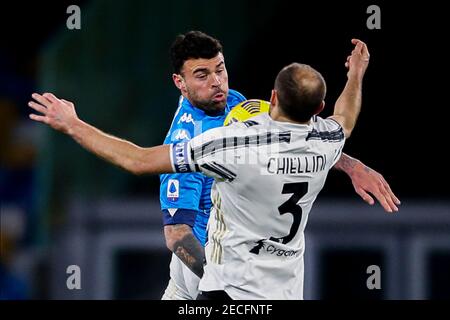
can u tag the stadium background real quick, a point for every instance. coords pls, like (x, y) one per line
(61, 206)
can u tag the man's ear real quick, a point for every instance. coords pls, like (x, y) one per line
(273, 101)
(273, 97)
(320, 108)
(179, 81)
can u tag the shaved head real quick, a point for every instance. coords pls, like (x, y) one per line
(300, 91)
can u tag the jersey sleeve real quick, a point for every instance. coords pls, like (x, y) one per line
(180, 194)
(206, 153)
(332, 131)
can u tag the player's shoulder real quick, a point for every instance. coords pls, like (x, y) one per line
(326, 129)
(209, 136)
(186, 114)
(235, 97)
(183, 123)
(251, 127)
(262, 119)
(325, 124)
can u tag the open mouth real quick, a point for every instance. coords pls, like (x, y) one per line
(219, 97)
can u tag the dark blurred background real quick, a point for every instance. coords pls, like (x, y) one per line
(62, 206)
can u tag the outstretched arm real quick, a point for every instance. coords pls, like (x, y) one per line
(60, 115)
(366, 180)
(346, 111)
(348, 105)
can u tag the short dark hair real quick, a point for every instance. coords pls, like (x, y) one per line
(193, 45)
(300, 91)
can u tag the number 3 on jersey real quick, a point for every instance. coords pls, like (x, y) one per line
(298, 190)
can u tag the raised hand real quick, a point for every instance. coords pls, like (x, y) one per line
(358, 60)
(57, 113)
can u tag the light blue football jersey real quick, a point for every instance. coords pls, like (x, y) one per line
(186, 198)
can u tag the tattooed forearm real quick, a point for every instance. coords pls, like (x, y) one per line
(346, 163)
(182, 242)
(191, 252)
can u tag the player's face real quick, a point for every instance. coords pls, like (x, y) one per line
(206, 83)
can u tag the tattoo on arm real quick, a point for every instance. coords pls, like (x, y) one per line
(191, 252)
(346, 163)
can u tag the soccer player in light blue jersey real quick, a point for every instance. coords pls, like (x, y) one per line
(201, 76)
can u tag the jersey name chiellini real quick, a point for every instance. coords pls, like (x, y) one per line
(267, 176)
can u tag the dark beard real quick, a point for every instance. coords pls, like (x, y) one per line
(210, 107)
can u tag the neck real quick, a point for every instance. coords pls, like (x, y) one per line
(277, 115)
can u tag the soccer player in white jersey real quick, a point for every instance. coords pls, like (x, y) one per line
(260, 208)
(255, 241)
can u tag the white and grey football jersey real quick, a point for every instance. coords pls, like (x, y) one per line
(267, 176)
